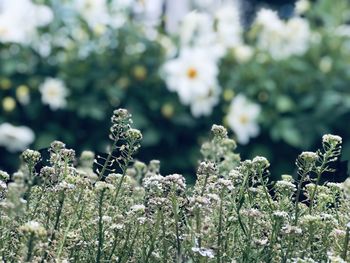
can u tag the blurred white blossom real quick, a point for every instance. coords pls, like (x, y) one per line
(301, 6)
(243, 53)
(20, 19)
(242, 118)
(54, 93)
(229, 29)
(15, 138)
(203, 105)
(282, 39)
(197, 29)
(193, 75)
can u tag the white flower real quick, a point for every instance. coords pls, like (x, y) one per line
(203, 105)
(229, 28)
(242, 118)
(243, 53)
(192, 74)
(175, 12)
(19, 20)
(149, 11)
(94, 12)
(204, 252)
(15, 138)
(197, 29)
(54, 93)
(282, 39)
(301, 6)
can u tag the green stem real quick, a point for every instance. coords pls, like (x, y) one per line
(100, 227)
(114, 246)
(108, 159)
(218, 255)
(30, 245)
(165, 256)
(177, 231)
(346, 244)
(296, 215)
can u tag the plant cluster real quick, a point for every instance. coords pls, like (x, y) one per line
(275, 78)
(126, 211)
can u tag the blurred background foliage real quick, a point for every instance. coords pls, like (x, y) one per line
(104, 67)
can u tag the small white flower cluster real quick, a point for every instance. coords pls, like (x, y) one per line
(282, 39)
(20, 19)
(33, 227)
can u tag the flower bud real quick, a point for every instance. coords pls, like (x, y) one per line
(219, 131)
(31, 157)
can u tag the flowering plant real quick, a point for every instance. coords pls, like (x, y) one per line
(129, 212)
(273, 82)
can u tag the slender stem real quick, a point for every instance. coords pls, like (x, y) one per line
(124, 168)
(163, 236)
(177, 231)
(56, 225)
(346, 244)
(302, 178)
(100, 227)
(108, 159)
(218, 255)
(30, 245)
(114, 246)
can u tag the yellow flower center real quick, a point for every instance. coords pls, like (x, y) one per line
(52, 93)
(243, 119)
(192, 73)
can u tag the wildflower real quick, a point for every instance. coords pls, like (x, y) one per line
(204, 252)
(56, 146)
(65, 186)
(280, 214)
(219, 131)
(68, 155)
(20, 19)
(138, 208)
(30, 156)
(309, 156)
(100, 186)
(54, 93)
(261, 162)
(331, 139)
(242, 117)
(33, 227)
(4, 176)
(134, 135)
(291, 230)
(15, 138)
(310, 219)
(252, 212)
